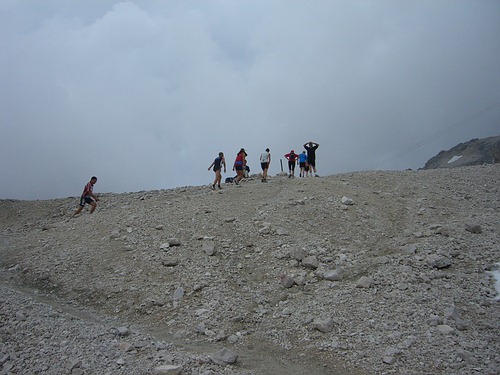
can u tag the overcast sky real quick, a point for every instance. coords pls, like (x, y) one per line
(144, 94)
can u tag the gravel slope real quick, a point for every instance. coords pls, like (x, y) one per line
(360, 273)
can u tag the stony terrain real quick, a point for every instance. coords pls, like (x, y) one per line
(359, 273)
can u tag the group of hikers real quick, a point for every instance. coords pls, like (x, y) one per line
(306, 161)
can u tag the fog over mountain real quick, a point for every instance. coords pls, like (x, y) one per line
(145, 94)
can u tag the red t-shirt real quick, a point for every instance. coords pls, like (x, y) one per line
(239, 159)
(87, 190)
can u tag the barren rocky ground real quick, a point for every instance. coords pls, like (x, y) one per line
(359, 273)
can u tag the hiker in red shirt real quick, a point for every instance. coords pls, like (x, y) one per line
(292, 160)
(239, 165)
(88, 197)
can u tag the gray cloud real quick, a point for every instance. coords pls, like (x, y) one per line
(145, 94)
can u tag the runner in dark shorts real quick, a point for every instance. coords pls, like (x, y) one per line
(84, 200)
(88, 197)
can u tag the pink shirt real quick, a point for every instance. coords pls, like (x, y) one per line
(87, 190)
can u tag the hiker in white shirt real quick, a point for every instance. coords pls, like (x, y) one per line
(265, 161)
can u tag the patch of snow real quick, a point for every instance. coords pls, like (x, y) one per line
(453, 159)
(496, 275)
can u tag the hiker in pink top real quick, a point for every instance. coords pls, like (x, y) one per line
(239, 165)
(292, 161)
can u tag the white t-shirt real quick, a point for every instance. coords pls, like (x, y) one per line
(264, 157)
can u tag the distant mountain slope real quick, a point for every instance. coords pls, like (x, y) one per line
(474, 152)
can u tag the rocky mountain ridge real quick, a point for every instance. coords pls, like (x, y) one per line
(358, 273)
(474, 152)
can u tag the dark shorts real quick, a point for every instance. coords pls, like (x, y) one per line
(239, 167)
(311, 162)
(302, 164)
(291, 165)
(84, 200)
(264, 165)
(217, 168)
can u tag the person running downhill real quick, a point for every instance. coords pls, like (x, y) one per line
(311, 155)
(292, 160)
(217, 164)
(88, 197)
(265, 161)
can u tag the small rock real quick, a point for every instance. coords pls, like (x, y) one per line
(124, 346)
(466, 356)
(300, 280)
(71, 365)
(281, 232)
(233, 339)
(473, 228)
(115, 234)
(364, 282)
(388, 360)
(434, 320)
(208, 247)
(392, 352)
(452, 312)
(174, 242)
(347, 201)
(438, 261)
(120, 361)
(287, 281)
(265, 230)
(332, 275)
(178, 294)
(123, 331)
(297, 254)
(410, 249)
(224, 357)
(446, 329)
(323, 325)
(170, 262)
(310, 262)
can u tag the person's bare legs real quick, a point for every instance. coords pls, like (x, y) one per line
(78, 210)
(239, 175)
(218, 178)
